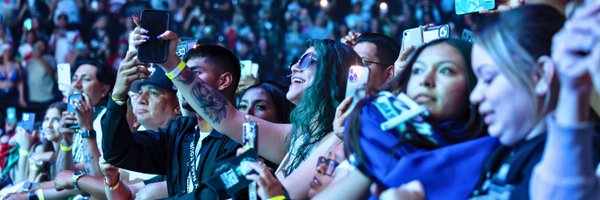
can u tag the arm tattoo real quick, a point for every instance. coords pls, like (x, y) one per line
(87, 158)
(212, 103)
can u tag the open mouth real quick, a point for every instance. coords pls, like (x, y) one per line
(297, 80)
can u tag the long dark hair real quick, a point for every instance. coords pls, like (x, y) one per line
(313, 117)
(474, 126)
(276, 93)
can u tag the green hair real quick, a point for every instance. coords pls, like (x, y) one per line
(313, 117)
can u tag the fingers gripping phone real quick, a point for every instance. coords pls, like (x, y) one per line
(154, 50)
(421, 35)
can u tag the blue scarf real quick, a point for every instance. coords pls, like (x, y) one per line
(449, 171)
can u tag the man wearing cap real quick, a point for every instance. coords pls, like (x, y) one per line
(157, 103)
(188, 149)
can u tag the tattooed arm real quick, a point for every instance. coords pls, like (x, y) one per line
(91, 156)
(215, 108)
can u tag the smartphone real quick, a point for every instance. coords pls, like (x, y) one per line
(230, 174)
(246, 68)
(436, 32)
(254, 70)
(184, 46)
(28, 121)
(412, 37)
(11, 115)
(72, 101)
(462, 7)
(357, 83)
(64, 77)
(468, 36)
(27, 24)
(420, 35)
(249, 132)
(154, 50)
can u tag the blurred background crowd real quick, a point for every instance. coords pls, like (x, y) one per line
(36, 35)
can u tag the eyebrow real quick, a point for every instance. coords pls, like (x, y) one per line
(438, 63)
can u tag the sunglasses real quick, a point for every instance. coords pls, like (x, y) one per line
(328, 165)
(305, 61)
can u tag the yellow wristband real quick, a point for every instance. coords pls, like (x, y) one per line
(278, 197)
(40, 194)
(119, 101)
(65, 148)
(23, 152)
(175, 72)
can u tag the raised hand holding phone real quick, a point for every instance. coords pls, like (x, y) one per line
(154, 50)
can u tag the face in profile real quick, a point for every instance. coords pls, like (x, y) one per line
(50, 124)
(258, 103)
(85, 81)
(367, 51)
(504, 106)
(325, 170)
(438, 81)
(303, 72)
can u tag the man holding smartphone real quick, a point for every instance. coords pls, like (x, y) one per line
(187, 150)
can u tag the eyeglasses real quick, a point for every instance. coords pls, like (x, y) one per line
(326, 165)
(366, 62)
(305, 61)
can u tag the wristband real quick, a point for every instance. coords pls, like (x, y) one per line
(175, 72)
(40, 194)
(65, 148)
(119, 101)
(278, 197)
(23, 152)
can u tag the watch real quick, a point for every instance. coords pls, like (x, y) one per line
(88, 134)
(76, 176)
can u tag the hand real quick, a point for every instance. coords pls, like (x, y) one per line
(246, 82)
(341, 114)
(85, 113)
(64, 180)
(410, 191)
(401, 61)
(268, 185)
(17, 196)
(350, 39)
(576, 51)
(110, 172)
(67, 119)
(138, 38)
(23, 138)
(22, 102)
(130, 69)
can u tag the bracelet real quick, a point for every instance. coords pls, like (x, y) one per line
(40, 194)
(278, 197)
(65, 148)
(114, 187)
(119, 101)
(23, 152)
(175, 72)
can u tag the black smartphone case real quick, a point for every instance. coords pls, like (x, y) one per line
(154, 50)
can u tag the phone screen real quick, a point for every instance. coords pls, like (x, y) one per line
(154, 50)
(64, 76)
(28, 121)
(11, 115)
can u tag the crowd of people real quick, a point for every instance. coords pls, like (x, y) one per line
(512, 114)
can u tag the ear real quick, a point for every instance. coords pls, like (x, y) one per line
(105, 90)
(545, 75)
(225, 80)
(390, 72)
(178, 110)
